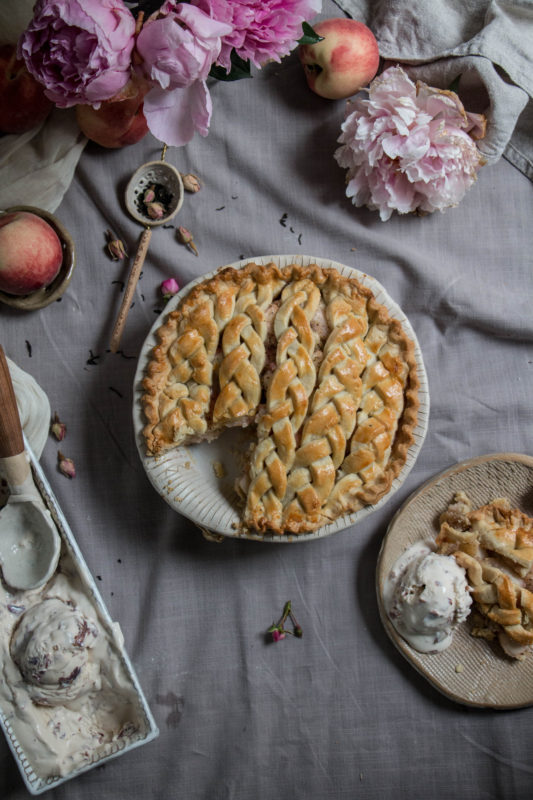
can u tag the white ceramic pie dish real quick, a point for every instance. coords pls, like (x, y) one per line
(197, 480)
(470, 671)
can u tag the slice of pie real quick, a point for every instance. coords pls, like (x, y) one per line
(494, 544)
(309, 357)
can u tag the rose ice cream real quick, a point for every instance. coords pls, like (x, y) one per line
(426, 595)
(51, 646)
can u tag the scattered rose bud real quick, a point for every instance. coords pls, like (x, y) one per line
(191, 183)
(59, 428)
(66, 465)
(278, 632)
(115, 247)
(169, 288)
(149, 196)
(185, 237)
(155, 210)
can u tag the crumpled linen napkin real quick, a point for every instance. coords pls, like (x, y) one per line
(34, 412)
(36, 167)
(33, 406)
(489, 43)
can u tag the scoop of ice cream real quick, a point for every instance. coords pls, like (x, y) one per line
(426, 595)
(51, 647)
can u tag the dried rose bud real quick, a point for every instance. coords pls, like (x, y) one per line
(115, 247)
(191, 183)
(116, 250)
(66, 465)
(155, 210)
(149, 196)
(58, 428)
(185, 237)
(169, 288)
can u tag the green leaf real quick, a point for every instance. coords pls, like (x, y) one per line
(309, 36)
(239, 69)
(454, 85)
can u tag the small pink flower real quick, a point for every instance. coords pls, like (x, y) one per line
(155, 210)
(115, 247)
(59, 429)
(408, 147)
(277, 636)
(186, 238)
(66, 465)
(169, 288)
(191, 183)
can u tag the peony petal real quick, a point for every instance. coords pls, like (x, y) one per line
(174, 116)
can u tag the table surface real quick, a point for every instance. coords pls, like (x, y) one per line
(338, 713)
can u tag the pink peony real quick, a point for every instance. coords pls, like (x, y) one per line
(80, 50)
(408, 148)
(178, 45)
(261, 30)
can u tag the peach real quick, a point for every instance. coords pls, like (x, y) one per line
(119, 121)
(31, 253)
(23, 104)
(344, 61)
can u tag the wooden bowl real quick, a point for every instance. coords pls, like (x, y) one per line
(47, 294)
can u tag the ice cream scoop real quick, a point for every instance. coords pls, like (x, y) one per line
(29, 541)
(425, 596)
(51, 647)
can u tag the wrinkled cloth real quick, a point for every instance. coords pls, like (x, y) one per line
(338, 714)
(489, 43)
(37, 167)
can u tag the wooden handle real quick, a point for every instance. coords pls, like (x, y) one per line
(11, 440)
(130, 288)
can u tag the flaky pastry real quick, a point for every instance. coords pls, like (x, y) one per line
(494, 544)
(310, 357)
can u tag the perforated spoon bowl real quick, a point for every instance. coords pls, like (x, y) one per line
(29, 541)
(153, 173)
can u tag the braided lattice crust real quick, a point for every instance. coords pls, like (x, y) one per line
(310, 356)
(494, 544)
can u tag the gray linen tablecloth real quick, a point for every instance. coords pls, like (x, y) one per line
(339, 713)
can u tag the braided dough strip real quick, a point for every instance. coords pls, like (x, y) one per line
(286, 408)
(333, 410)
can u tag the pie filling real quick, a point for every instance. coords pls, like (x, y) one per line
(310, 358)
(494, 544)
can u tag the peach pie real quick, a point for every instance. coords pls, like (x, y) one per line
(494, 544)
(326, 376)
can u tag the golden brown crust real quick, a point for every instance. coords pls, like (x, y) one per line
(339, 414)
(493, 544)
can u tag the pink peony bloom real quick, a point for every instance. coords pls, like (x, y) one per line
(80, 50)
(408, 148)
(178, 45)
(261, 30)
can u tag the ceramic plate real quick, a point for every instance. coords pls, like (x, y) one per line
(198, 480)
(471, 671)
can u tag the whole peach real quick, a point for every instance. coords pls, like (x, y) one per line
(119, 121)
(344, 61)
(30, 253)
